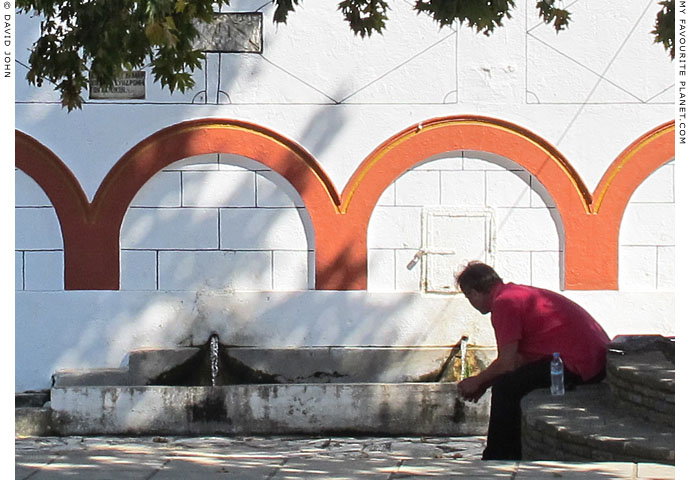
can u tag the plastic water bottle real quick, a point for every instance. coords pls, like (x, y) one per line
(557, 386)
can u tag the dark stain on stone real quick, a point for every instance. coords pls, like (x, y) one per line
(335, 374)
(264, 393)
(429, 377)
(196, 372)
(209, 409)
(321, 376)
(385, 413)
(458, 411)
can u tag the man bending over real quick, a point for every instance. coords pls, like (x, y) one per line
(530, 324)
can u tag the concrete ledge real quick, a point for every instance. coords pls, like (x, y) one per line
(94, 376)
(585, 425)
(31, 399)
(364, 408)
(289, 365)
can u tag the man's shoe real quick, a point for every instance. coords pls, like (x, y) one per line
(488, 455)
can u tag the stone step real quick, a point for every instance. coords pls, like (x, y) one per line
(32, 413)
(586, 424)
(641, 375)
(33, 421)
(93, 376)
(36, 398)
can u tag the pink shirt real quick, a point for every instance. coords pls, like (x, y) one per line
(544, 322)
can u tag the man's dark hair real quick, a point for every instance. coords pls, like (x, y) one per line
(477, 276)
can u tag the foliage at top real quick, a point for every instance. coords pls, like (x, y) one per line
(102, 38)
(664, 28)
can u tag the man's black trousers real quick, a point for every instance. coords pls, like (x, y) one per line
(503, 441)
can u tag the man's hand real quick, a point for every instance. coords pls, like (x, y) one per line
(509, 359)
(472, 388)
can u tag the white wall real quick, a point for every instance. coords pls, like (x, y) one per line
(647, 235)
(217, 221)
(226, 228)
(38, 241)
(470, 181)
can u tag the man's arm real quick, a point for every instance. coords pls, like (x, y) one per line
(509, 359)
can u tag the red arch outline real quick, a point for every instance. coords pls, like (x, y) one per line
(591, 223)
(591, 256)
(65, 193)
(416, 144)
(92, 234)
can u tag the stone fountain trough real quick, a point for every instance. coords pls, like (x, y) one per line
(317, 390)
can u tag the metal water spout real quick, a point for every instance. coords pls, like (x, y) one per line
(214, 352)
(463, 356)
(460, 349)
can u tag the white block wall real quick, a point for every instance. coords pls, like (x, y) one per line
(647, 235)
(470, 179)
(217, 222)
(38, 240)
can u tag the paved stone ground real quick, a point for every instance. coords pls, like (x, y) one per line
(281, 458)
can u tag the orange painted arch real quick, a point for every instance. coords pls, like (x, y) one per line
(591, 253)
(590, 222)
(91, 230)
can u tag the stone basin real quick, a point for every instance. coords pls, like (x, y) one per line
(324, 390)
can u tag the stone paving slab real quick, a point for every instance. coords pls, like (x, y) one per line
(584, 471)
(238, 469)
(337, 468)
(655, 471)
(443, 468)
(284, 458)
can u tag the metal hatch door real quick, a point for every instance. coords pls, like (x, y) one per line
(451, 237)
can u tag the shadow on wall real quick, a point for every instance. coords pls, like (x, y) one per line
(97, 329)
(110, 325)
(249, 222)
(320, 130)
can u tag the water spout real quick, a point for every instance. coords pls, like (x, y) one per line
(211, 365)
(463, 356)
(460, 348)
(214, 342)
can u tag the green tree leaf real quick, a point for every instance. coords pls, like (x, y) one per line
(664, 27)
